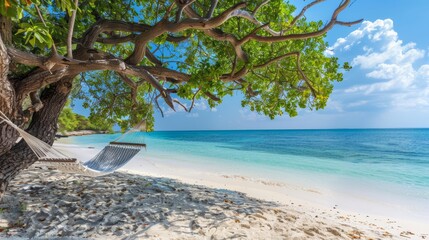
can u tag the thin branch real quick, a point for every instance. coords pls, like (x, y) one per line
(151, 57)
(234, 65)
(260, 6)
(71, 29)
(348, 24)
(176, 39)
(304, 9)
(301, 72)
(188, 23)
(91, 35)
(157, 104)
(168, 10)
(251, 34)
(302, 36)
(220, 35)
(181, 104)
(132, 37)
(117, 39)
(212, 96)
(54, 48)
(128, 81)
(181, 5)
(212, 8)
(246, 15)
(276, 59)
(193, 99)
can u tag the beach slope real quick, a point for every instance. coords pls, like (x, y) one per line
(45, 203)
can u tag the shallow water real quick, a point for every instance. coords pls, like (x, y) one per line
(388, 168)
(392, 155)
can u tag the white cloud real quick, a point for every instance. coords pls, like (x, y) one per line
(424, 71)
(199, 106)
(334, 105)
(357, 104)
(248, 115)
(391, 66)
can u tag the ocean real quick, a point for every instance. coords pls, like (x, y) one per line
(393, 163)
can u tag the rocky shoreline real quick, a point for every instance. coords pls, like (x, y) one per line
(79, 133)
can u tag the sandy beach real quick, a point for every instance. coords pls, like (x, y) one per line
(179, 203)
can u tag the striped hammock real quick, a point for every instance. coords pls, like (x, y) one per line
(115, 155)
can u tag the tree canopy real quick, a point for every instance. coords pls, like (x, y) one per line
(138, 52)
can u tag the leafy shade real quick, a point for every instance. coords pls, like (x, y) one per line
(130, 55)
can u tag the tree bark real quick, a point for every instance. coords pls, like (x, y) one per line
(43, 126)
(8, 136)
(16, 157)
(6, 29)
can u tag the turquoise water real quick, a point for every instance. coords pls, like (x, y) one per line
(385, 156)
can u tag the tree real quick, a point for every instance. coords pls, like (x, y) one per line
(126, 56)
(70, 121)
(67, 121)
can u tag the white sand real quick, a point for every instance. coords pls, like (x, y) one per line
(157, 200)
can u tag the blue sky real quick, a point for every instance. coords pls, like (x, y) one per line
(388, 86)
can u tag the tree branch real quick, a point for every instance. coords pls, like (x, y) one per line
(152, 58)
(212, 8)
(246, 15)
(158, 106)
(37, 81)
(181, 4)
(212, 96)
(71, 29)
(303, 10)
(117, 39)
(218, 34)
(301, 72)
(54, 48)
(100, 26)
(303, 36)
(193, 99)
(165, 26)
(260, 6)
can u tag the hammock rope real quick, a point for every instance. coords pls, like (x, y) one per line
(115, 155)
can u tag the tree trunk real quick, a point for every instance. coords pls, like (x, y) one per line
(16, 157)
(8, 136)
(6, 29)
(43, 126)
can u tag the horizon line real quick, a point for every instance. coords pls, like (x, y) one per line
(296, 129)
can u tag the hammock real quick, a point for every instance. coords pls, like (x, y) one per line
(115, 155)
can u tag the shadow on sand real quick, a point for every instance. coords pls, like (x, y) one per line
(44, 203)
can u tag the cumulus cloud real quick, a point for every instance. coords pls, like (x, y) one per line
(393, 68)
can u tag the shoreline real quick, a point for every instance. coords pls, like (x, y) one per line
(312, 211)
(44, 203)
(79, 133)
(363, 198)
(313, 199)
